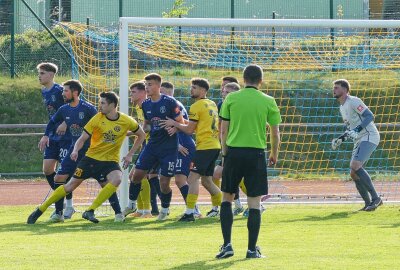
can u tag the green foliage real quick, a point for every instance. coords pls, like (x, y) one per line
(179, 9)
(300, 237)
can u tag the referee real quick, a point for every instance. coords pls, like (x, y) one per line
(244, 116)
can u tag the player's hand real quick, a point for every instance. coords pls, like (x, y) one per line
(183, 150)
(171, 130)
(352, 134)
(43, 143)
(272, 160)
(169, 122)
(126, 161)
(336, 143)
(74, 155)
(62, 128)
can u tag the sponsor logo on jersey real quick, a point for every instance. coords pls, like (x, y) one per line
(162, 109)
(360, 108)
(81, 115)
(53, 98)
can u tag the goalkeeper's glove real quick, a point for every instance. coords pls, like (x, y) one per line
(353, 134)
(338, 141)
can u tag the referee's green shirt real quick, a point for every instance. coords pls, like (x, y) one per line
(248, 111)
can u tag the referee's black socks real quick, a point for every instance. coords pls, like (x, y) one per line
(226, 216)
(253, 226)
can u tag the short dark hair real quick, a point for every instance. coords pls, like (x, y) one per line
(230, 79)
(49, 67)
(153, 76)
(139, 85)
(74, 85)
(201, 82)
(253, 74)
(343, 83)
(111, 97)
(167, 85)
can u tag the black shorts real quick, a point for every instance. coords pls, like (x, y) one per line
(247, 163)
(89, 167)
(203, 161)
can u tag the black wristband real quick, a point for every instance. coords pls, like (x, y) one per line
(358, 128)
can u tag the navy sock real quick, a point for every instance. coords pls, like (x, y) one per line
(114, 202)
(237, 194)
(184, 191)
(69, 195)
(166, 199)
(253, 226)
(154, 182)
(155, 185)
(134, 190)
(367, 182)
(50, 180)
(363, 192)
(226, 216)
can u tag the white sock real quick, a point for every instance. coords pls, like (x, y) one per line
(189, 211)
(132, 204)
(145, 212)
(215, 208)
(164, 210)
(69, 203)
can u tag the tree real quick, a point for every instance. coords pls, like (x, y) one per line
(178, 10)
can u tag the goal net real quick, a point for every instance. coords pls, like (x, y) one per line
(300, 58)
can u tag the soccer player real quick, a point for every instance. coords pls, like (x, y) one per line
(107, 131)
(229, 84)
(138, 95)
(56, 147)
(161, 148)
(362, 130)
(244, 116)
(203, 120)
(186, 149)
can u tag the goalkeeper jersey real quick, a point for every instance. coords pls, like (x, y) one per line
(351, 112)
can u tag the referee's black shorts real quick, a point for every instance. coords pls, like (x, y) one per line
(247, 163)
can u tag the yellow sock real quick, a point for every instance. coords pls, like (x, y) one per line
(139, 202)
(57, 194)
(216, 199)
(243, 187)
(145, 195)
(191, 200)
(217, 182)
(103, 195)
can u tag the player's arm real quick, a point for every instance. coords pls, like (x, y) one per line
(186, 128)
(44, 141)
(224, 135)
(79, 144)
(275, 142)
(140, 137)
(339, 140)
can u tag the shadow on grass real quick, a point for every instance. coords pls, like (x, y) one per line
(332, 216)
(130, 224)
(208, 264)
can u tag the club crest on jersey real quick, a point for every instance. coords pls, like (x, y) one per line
(360, 108)
(81, 115)
(162, 109)
(117, 128)
(53, 98)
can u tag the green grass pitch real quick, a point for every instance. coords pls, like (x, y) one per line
(291, 236)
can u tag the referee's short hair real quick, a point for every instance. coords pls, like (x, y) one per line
(49, 67)
(111, 97)
(253, 74)
(343, 83)
(74, 85)
(201, 82)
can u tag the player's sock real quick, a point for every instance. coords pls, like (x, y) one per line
(155, 185)
(69, 203)
(191, 200)
(69, 195)
(132, 204)
(60, 203)
(50, 180)
(237, 194)
(226, 216)
(367, 181)
(114, 202)
(217, 182)
(253, 226)
(216, 199)
(55, 196)
(243, 187)
(166, 199)
(134, 190)
(103, 195)
(363, 192)
(184, 191)
(145, 194)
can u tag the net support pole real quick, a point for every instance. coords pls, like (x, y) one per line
(124, 103)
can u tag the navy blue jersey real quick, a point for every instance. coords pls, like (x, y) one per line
(159, 110)
(53, 100)
(75, 118)
(183, 138)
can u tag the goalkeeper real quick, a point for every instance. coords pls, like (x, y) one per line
(363, 132)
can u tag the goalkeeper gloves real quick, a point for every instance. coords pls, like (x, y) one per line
(338, 141)
(353, 134)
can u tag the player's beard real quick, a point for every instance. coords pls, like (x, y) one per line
(69, 100)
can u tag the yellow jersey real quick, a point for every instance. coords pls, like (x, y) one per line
(108, 136)
(205, 113)
(137, 113)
